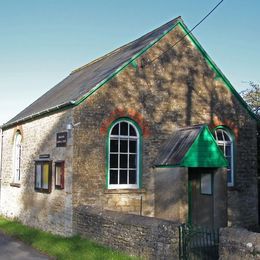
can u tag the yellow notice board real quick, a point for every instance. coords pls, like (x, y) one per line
(45, 176)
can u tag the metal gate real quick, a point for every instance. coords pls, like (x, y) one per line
(198, 243)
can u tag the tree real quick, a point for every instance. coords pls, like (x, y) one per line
(252, 97)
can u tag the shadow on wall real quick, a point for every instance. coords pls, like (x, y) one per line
(177, 90)
(49, 211)
(180, 90)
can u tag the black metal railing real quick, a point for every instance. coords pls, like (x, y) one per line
(198, 242)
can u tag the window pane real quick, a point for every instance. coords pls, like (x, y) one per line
(226, 137)
(115, 130)
(132, 177)
(113, 177)
(45, 179)
(114, 145)
(132, 131)
(228, 150)
(123, 160)
(229, 176)
(229, 162)
(132, 146)
(113, 161)
(123, 177)
(38, 182)
(123, 128)
(132, 161)
(123, 146)
(219, 135)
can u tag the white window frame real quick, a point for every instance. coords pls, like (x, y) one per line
(17, 157)
(124, 137)
(224, 143)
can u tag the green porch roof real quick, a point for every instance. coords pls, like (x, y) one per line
(191, 147)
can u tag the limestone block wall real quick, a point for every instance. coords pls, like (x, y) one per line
(147, 237)
(237, 243)
(177, 89)
(48, 211)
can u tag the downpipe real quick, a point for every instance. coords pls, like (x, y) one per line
(1, 164)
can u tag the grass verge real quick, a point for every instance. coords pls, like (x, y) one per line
(57, 246)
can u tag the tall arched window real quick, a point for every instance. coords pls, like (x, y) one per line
(123, 155)
(17, 157)
(225, 142)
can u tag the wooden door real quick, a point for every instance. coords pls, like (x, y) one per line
(201, 207)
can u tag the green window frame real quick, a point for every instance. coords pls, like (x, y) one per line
(225, 140)
(124, 143)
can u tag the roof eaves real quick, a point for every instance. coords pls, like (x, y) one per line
(97, 86)
(38, 114)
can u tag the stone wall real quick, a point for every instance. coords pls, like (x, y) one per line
(148, 237)
(238, 244)
(48, 211)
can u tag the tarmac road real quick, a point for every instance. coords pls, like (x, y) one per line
(12, 249)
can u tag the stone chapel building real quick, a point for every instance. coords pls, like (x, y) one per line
(153, 128)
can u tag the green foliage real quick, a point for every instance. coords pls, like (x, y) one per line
(60, 247)
(252, 97)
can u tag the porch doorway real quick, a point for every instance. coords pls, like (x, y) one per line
(200, 197)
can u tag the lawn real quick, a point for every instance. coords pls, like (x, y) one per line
(57, 246)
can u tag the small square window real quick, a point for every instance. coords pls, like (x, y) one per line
(59, 175)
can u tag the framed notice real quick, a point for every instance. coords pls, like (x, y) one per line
(206, 184)
(61, 139)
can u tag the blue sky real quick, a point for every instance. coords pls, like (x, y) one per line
(42, 41)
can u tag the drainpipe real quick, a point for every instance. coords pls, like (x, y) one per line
(1, 162)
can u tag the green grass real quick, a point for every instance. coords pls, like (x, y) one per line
(57, 246)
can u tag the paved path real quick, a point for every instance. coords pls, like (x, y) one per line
(12, 249)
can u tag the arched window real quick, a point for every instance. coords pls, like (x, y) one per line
(17, 157)
(225, 142)
(123, 155)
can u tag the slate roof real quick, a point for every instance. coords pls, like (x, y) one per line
(175, 148)
(83, 80)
